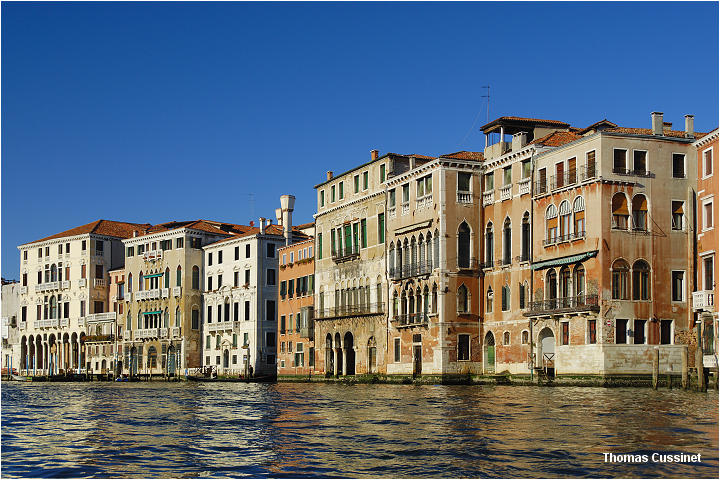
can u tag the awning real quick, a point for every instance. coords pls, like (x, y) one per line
(153, 275)
(564, 260)
(152, 313)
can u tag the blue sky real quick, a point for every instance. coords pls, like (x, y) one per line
(150, 112)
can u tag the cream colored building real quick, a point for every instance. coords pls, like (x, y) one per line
(164, 268)
(64, 284)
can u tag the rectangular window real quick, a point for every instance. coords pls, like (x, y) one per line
(195, 319)
(247, 251)
(270, 339)
(311, 354)
(363, 233)
(209, 258)
(356, 182)
(405, 193)
(420, 188)
(382, 173)
(179, 242)
(391, 198)
(83, 246)
(247, 277)
(707, 162)
(542, 181)
(709, 272)
(270, 311)
(666, 332)
(507, 176)
(639, 332)
(463, 182)
(83, 271)
(130, 251)
(209, 283)
(678, 215)
(678, 286)
(322, 198)
(639, 162)
(592, 331)
(332, 194)
(397, 350)
(282, 324)
(236, 313)
(237, 253)
(365, 180)
(381, 228)
(271, 276)
(572, 172)
(207, 342)
(291, 287)
(526, 169)
(220, 284)
(283, 289)
(566, 333)
(220, 256)
(619, 160)
(621, 331)
(678, 160)
(208, 317)
(708, 215)
(271, 250)
(463, 347)
(245, 337)
(342, 190)
(590, 164)
(247, 313)
(236, 279)
(560, 175)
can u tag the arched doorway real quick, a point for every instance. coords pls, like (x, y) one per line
(546, 351)
(152, 359)
(171, 361)
(489, 356)
(372, 355)
(338, 355)
(23, 355)
(329, 357)
(226, 359)
(349, 354)
(38, 353)
(133, 363)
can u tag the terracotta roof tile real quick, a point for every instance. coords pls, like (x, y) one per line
(465, 155)
(556, 139)
(416, 155)
(648, 131)
(110, 228)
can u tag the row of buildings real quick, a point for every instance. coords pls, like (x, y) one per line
(558, 249)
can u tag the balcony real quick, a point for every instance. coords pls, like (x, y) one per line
(579, 303)
(152, 255)
(177, 291)
(488, 198)
(506, 192)
(564, 238)
(81, 322)
(410, 320)
(163, 332)
(350, 311)
(99, 282)
(704, 300)
(165, 292)
(567, 179)
(487, 263)
(22, 325)
(391, 212)
(23, 290)
(44, 287)
(175, 332)
(405, 208)
(411, 270)
(148, 294)
(423, 202)
(464, 197)
(64, 322)
(82, 282)
(146, 333)
(47, 323)
(346, 255)
(524, 186)
(100, 317)
(99, 338)
(219, 326)
(639, 172)
(127, 335)
(307, 332)
(472, 264)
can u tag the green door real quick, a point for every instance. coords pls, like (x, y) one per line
(490, 358)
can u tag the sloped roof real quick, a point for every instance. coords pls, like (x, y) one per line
(556, 139)
(648, 131)
(110, 228)
(210, 226)
(465, 155)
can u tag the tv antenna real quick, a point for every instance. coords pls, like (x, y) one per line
(488, 101)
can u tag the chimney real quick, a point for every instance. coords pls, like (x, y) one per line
(135, 233)
(278, 216)
(329, 175)
(287, 205)
(690, 126)
(374, 154)
(519, 140)
(667, 126)
(412, 162)
(262, 225)
(657, 123)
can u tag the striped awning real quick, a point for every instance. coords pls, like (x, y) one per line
(152, 313)
(153, 275)
(564, 260)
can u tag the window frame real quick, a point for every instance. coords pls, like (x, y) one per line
(683, 296)
(705, 174)
(672, 165)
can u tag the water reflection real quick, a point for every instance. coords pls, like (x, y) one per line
(311, 430)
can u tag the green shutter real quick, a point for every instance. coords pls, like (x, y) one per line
(381, 228)
(363, 232)
(319, 247)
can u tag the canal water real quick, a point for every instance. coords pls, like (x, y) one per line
(330, 430)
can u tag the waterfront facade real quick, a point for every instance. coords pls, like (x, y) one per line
(102, 339)
(10, 311)
(296, 319)
(64, 282)
(705, 291)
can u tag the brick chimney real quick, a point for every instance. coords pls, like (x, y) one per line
(287, 205)
(690, 126)
(667, 126)
(374, 154)
(329, 175)
(657, 123)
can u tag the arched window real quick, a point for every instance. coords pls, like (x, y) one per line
(505, 298)
(139, 320)
(421, 254)
(525, 254)
(565, 293)
(195, 278)
(167, 278)
(436, 250)
(391, 260)
(641, 280)
(579, 282)
(428, 253)
(396, 304)
(620, 280)
(434, 298)
(462, 299)
(579, 211)
(141, 280)
(407, 261)
(464, 245)
(639, 212)
(551, 285)
(166, 320)
(128, 322)
(506, 338)
(152, 357)
(507, 242)
(413, 256)
(551, 224)
(53, 307)
(178, 277)
(565, 220)
(522, 287)
(489, 300)
(426, 302)
(525, 337)
(619, 211)
(129, 283)
(489, 245)
(98, 330)
(53, 273)
(177, 317)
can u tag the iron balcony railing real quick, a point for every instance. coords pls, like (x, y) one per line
(411, 270)
(639, 172)
(350, 310)
(564, 304)
(487, 263)
(346, 255)
(99, 338)
(569, 178)
(564, 238)
(410, 319)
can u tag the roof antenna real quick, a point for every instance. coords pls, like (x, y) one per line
(488, 101)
